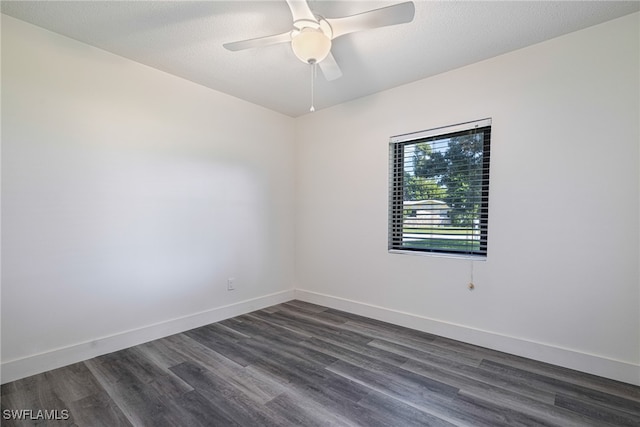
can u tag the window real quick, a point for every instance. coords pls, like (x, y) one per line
(439, 190)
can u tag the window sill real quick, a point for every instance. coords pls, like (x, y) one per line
(439, 255)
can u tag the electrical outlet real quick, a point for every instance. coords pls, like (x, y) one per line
(231, 284)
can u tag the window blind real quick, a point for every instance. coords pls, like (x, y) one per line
(439, 189)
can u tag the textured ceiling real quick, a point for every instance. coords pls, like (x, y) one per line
(185, 38)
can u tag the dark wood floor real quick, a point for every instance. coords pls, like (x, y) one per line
(298, 364)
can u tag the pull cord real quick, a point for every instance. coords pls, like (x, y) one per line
(313, 79)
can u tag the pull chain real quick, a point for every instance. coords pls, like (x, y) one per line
(313, 78)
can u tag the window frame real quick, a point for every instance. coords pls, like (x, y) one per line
(397, 164)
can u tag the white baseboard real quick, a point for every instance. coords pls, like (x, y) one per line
(589, 363)
(618, 370)
(19, 368)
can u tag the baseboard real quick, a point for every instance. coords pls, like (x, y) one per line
(589, 363)
(618, 370)
(19, 368)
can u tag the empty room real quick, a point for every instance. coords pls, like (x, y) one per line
(345, 213)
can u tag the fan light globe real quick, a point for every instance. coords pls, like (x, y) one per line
(311, 45)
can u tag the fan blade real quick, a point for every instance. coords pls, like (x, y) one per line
(300, 10)
(330, 68)
(258, 42)
(400, 13)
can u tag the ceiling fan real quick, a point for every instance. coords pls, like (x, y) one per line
(312, 34)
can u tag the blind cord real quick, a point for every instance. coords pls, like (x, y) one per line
(471, 271)
(470, 235)
(471, 240)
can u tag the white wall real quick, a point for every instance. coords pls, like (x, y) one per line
(129, 197)
(561, 281)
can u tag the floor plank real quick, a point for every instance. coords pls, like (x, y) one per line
(301, 364)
